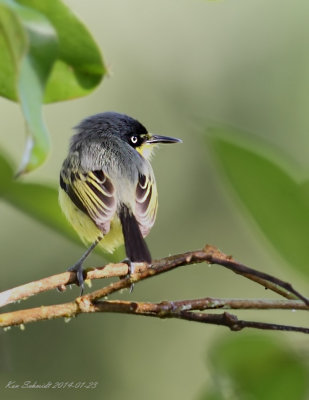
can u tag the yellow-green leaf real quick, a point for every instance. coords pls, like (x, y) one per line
(276, 196)
(46, 55)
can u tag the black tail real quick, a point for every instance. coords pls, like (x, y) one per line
(136, 247)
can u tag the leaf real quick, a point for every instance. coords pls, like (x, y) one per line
(46, 55)
(258, 367)
(79, 67)
(13, 42)
(276, 198)
(6, 174)
(31, 41)
(39, 202)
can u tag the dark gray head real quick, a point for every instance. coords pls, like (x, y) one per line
(110, 123)
(101, 128)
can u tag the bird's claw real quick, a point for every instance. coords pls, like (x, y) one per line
(78, 268)
(131, 267)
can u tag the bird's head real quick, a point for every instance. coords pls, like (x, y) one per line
(137, 136)
(127, 129)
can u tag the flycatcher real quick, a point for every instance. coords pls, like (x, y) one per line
(107, 186)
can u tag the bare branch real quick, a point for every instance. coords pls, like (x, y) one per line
(231, 321)
(59, 281)
(209, 254)
(181, 309)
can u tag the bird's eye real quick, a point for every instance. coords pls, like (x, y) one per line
(134, 139)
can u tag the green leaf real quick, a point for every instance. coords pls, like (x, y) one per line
(40, 202)
(79, 67)
(36, 200)
(258, 367)
(31, 41)
(46, 55)
(6, 174)
(274, 194)
(13, 44)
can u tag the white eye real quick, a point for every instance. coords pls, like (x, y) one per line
(134, 139)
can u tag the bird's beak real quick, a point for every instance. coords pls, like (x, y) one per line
(162, 139)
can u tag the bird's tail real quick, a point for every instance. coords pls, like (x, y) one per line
(136, 247)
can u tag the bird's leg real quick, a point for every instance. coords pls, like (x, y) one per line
(78, 266)
(131, 266)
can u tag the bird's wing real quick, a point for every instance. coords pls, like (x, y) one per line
(93, 193)
(146, 203)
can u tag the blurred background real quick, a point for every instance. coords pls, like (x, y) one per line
(177, 66)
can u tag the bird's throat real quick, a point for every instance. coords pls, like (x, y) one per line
(146, 150)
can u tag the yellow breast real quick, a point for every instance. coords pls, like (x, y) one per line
(87, 229)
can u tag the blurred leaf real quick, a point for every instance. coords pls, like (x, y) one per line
(39, 202)
(13, 44)
(31, 41)
(278, 201)
(79, 67)
(213, 394)
(46, 54)
(253, 366)
(6, 174)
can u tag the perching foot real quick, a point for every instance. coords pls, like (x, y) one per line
(78, 268)
(131, 266)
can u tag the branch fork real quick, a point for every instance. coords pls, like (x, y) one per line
(191, 310)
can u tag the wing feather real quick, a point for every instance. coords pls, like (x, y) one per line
(146, 203)
(94, 194)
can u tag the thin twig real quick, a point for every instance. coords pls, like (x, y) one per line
(183, 309)
(231, 321)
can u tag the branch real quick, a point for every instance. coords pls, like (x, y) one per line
(235, 324)
(183, 309)
(209, 254)
(59, 281)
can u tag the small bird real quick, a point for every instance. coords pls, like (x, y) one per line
(107, 186)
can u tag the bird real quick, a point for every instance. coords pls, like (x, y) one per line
(107, 186)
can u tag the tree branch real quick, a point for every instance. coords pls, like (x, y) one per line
(209, 254)
(235, 324)
(183, 309)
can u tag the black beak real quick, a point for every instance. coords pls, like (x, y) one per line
(163, 139)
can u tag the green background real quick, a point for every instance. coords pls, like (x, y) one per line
(179, 67)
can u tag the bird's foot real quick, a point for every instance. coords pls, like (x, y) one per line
(78, 268)
(131, 267)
